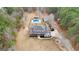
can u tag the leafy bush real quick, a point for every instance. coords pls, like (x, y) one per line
(71, 31)
(77, 38)
(4, 23)
(9, 10)
(69, 19)
(8, 27)
(11, 43)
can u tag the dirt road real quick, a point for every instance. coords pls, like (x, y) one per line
(25, 43)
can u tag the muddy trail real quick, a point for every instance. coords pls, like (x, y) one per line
(26, 43)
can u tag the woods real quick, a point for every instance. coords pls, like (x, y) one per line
(70, 21)
(8, 26)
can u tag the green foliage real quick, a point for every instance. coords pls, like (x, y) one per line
(77, 38)
(67, 15)
(70, 20)
(74, 29)
(18, 17)
(52, 10)
(1, 43)
(11, 43)
(9, 10)
(71, 31)
(13, 33)
(8, 27)
(4, 23)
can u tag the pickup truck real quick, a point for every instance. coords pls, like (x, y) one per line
(39, 28)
